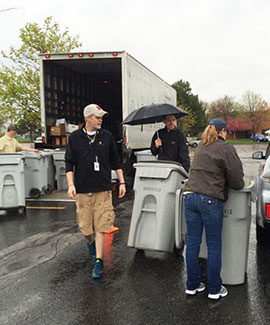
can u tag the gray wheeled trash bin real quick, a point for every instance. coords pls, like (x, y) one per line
(12, 189)
(235, 235)
(36, 171)
(144, 155)
(60, 167)
(152, 224)
(49, 165)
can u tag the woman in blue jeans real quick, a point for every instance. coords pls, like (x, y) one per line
(215, 167)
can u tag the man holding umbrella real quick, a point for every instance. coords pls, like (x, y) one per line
(170, 143)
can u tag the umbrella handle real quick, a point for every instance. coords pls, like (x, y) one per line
(157, 131)
(160, 148)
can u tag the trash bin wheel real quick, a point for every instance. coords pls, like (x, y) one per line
(262, 235)
(22, 210)
(178, 251)
(34, 193)
(49, 189)
(140, 252)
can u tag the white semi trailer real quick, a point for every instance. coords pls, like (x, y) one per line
(114, 80)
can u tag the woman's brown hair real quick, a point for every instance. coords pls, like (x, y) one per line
(209, 135)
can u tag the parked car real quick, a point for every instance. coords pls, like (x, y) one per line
(195, 142)
(258, 137)
(263, 200)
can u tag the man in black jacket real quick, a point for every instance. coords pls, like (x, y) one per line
(92, 153)
(170, 143)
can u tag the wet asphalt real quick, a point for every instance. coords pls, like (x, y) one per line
(45, 276)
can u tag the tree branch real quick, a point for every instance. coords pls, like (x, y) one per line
(8, 9)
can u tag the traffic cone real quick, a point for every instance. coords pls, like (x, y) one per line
(114, 229)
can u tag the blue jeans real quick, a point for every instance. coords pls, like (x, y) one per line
(203, 210)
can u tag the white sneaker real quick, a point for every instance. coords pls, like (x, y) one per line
(222, 293)
(199, 289)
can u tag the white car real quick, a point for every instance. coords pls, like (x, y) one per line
(194, 143)
(263, 200)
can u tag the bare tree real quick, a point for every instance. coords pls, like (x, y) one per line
(8, 9)
(224, 108)
(254, 107)
(252, 102)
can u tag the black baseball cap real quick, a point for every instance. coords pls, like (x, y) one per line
(219, 124)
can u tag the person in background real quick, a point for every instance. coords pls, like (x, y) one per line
(215, 167)
(170, 143)
(93, 154)
(8, 144)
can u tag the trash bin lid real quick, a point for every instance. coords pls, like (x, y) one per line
(48, 150)
(31, 155)
(10, 158)
(248, 188)
(15, 154)
(46, 153)
(143, 153)
(59, 154)
(158, 169)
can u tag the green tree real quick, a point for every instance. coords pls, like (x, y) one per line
(19, 81)
(190, 102)
(187, 122)
(2, 122)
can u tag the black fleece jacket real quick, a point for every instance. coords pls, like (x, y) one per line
(81, 155)
(174, 147)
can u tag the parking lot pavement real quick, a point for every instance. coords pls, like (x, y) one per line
(45, 277)
(250, 165)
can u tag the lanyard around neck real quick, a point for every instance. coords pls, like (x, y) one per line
(91, 139)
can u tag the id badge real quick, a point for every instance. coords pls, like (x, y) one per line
(96, 166)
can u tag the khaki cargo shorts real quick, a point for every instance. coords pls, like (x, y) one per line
(94, 212)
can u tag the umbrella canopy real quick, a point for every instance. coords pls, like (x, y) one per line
(153, 113)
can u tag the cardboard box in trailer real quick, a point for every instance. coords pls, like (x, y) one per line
(114, 80)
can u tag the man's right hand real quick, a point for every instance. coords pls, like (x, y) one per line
(72, 192)
(158, 143)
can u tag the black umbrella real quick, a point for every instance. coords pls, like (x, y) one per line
(152, 114)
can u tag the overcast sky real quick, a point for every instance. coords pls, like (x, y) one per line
(220, 46)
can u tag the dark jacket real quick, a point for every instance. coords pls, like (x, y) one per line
(174, 147)
(214, 169)
(82, 155)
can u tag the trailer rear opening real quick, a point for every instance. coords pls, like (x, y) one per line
(70, 85)
(116, 81)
